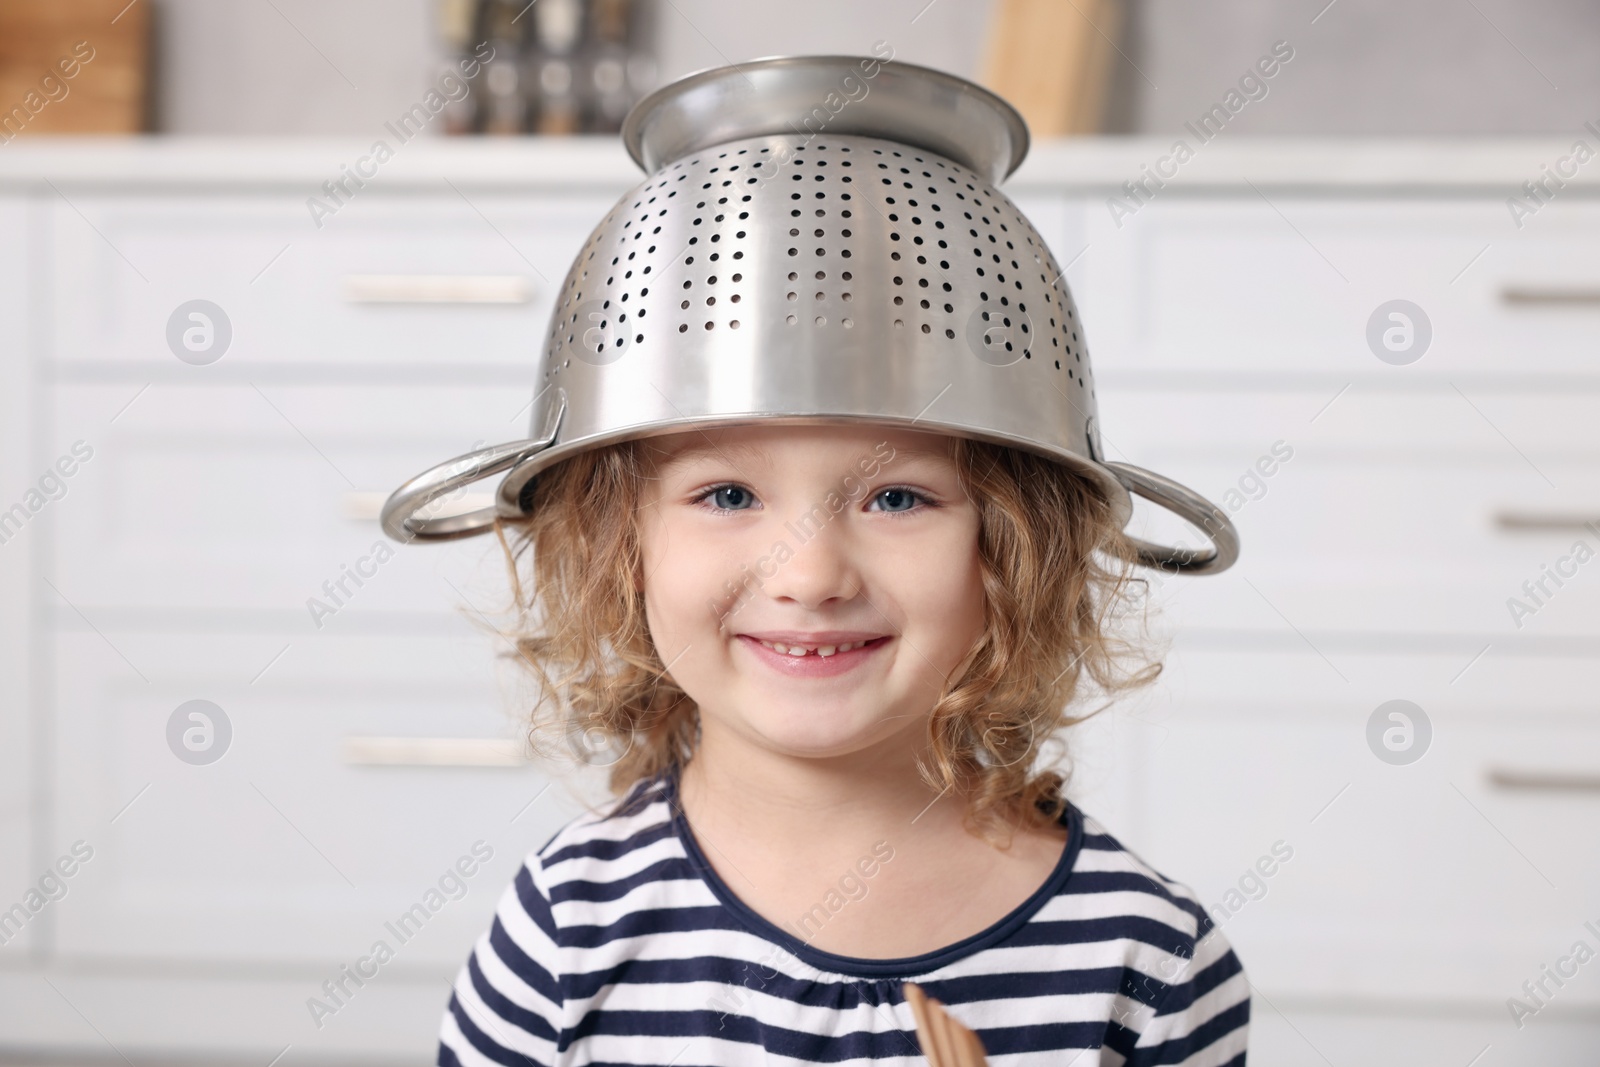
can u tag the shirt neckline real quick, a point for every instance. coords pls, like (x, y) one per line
(856, 966)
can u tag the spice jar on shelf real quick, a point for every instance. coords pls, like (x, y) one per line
(558, 66)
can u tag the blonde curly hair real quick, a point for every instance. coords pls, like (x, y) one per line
(1057, 574)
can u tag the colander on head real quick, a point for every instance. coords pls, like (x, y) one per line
(819, 240)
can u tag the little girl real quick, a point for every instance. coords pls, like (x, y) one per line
(830, 657)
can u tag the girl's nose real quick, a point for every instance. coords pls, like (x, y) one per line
(823, 565)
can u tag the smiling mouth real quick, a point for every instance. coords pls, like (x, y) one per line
(822, 651)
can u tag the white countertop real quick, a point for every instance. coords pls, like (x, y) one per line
(1451, 166)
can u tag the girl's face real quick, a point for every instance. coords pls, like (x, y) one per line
(812, 536)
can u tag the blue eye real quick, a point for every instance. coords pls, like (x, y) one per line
(738, 496)
(897, 499)
(898, 494)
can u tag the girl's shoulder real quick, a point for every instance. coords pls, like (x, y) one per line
(1105, 865)
(613, 834)
(1174, 944)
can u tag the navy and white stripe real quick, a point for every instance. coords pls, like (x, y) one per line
(617, 944)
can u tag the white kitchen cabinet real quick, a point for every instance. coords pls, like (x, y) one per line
(283, 849)
(1456, 873)
(1364, 509)
(235, 497)
(349, 293)
(1341, 544)
(1225, 321)
(1285, 284)
(1467, 420)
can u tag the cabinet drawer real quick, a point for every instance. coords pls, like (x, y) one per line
(281, 849)
(1236, 283)
(1466, 422)
(1335, 541)
(229, 497)
(1492, 831)
(1460, 676)
(389, 279)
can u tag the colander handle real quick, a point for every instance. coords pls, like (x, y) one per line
(1189, 506)
(399, 517)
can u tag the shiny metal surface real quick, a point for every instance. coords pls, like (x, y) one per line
(1190, 506)
(837, 95)
(404, 515)
(780, 277)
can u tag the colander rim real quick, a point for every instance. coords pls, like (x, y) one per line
(873, 121)
(509, 491)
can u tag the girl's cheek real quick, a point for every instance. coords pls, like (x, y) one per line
(683, 572)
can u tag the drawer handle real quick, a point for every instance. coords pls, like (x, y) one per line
(368, 507)
(437, 289)
(1545, 520)
(433, 752)
(1542, 296)
(1545, 781)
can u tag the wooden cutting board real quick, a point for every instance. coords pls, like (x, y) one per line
(73, 66)
(1051, 59)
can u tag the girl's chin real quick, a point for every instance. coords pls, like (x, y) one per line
(808, 733)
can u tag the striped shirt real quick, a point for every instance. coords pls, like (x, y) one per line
(618, 944)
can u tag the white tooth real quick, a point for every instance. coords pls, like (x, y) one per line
(828, 650)
(795, 650)
(847, 646)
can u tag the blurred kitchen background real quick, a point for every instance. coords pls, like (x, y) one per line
(242, 736)
(298, 67)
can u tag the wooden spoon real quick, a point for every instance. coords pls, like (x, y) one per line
(944, 1041)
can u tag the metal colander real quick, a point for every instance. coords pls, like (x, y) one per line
(819, 240)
